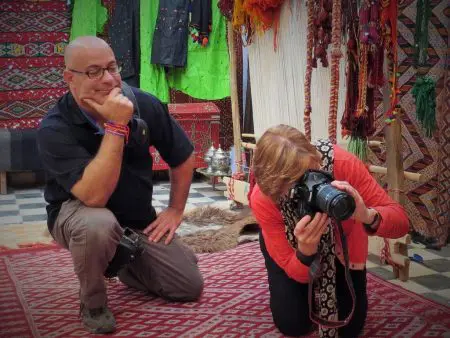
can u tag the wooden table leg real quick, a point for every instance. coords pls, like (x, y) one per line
(3, 188)
(402, 273)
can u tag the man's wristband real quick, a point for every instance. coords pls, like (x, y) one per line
(117, 129)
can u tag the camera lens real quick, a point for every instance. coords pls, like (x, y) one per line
(342, 206)
(335, 203)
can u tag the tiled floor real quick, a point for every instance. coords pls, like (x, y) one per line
(28, 205)
(430, 278)
(22, 220)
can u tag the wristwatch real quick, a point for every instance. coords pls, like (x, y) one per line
(305, 260)
(370, 226)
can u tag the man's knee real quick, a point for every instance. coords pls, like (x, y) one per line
(194, 288)
(189, 289)
(99, 227)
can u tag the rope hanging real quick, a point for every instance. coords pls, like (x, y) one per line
(389, 28)
(335, 58)
(309, 57)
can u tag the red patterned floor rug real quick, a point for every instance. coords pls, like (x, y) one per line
(38, 298)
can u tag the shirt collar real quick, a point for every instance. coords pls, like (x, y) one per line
(100, 130)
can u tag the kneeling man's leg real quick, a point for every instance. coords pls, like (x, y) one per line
(169, 271)
(91, 235)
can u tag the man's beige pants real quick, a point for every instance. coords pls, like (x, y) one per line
(92, 235)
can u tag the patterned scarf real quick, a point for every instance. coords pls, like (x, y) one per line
(322, 272)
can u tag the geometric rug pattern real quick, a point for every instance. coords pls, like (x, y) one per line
(39, 291)
(33, 36)
(427, 203)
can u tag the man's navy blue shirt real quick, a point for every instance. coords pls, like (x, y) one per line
(68, 141)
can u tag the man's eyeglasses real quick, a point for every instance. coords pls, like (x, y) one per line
(96, 73)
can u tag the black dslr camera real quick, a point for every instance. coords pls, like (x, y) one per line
(314, 193)
(129, 248)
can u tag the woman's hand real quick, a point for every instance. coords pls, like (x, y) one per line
(362, 213)
(308, 233)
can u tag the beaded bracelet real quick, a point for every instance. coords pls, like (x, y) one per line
(117, 129)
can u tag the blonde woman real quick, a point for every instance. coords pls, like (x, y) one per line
(290, 241)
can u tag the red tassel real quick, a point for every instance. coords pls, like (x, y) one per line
(373, 33)
(321, 34)
(364, 16)
(364, 23)
(323, 16)
(373, 30)
(328, 5)
(374, 15)
(351, 44)
(319, 51)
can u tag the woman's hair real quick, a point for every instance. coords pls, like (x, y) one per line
(282, 156)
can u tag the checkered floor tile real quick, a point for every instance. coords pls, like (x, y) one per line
(28, 205)
(431, 278)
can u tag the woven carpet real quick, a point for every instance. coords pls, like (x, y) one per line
(33, 36)
(427, 203)
(38, 297)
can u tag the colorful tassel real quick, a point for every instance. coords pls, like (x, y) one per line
(424, 93)
(359, 147)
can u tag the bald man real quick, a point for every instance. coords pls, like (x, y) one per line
(99, 181)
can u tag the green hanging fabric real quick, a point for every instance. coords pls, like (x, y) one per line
(359, 147)
(421, 32)
(88, 18)
(152, 77)
(207, 74)
(424, 93)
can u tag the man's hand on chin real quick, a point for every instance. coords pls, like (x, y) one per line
(167, 222)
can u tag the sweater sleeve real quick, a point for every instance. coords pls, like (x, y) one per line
(272, 226)
(394, 221)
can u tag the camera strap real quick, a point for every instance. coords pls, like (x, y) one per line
(315, 272)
